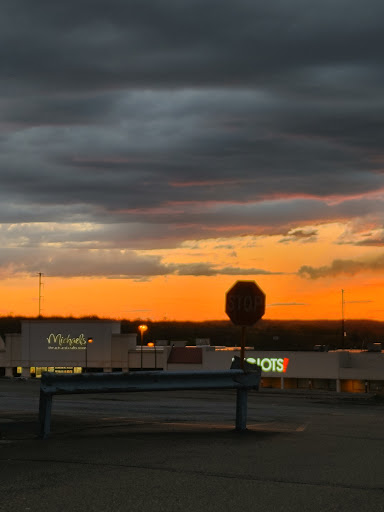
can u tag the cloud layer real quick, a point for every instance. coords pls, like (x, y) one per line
(340, 267)
(127, 126)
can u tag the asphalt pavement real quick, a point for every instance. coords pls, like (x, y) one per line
(178, 451)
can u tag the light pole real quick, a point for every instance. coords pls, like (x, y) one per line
(342, 319)
(40, 283)
(142, 329)
(89, 340)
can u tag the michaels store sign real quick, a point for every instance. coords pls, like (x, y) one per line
(60, 342)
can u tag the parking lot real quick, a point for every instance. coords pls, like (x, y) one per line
(178, 451)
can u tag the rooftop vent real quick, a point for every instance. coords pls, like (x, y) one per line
(321, 348)
(374, 347)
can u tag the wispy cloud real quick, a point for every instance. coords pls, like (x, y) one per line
(339, 267)
(109, 263)
(288, 304)
(300, 235)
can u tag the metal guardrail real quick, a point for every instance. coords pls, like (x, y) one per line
(59, 384)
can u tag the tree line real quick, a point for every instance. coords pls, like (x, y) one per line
(264, 335)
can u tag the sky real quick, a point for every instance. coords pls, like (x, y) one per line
(152, 153)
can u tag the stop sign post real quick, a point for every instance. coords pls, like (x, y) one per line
(245, 305)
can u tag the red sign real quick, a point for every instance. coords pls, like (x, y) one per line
(245, 303)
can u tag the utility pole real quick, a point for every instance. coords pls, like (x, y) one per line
(40, 274)
(342, 319)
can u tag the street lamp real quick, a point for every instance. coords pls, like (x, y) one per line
(142, 329)
(89, 340)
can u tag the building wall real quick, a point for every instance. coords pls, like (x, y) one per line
(366, 359)
(121, 345)
(301, 364)
(63, 343)
(12, 355)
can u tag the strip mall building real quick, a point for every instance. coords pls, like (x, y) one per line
(78, 345)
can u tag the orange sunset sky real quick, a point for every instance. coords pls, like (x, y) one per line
(176, 297)
(150, 158)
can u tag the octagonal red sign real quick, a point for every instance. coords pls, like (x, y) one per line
(245, 303)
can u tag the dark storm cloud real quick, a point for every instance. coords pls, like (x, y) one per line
(182, 153)
(156, 122)
(95, 44)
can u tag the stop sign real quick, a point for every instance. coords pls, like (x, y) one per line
(245, 303)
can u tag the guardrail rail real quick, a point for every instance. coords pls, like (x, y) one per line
(121, 382)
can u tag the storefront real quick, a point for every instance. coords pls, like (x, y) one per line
(65, 346)
(75, 346)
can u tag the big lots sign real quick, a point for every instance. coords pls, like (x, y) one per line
(270, 364)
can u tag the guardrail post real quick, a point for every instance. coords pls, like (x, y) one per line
(45, 408)
(241, 409)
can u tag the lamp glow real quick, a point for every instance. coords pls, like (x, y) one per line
(142, 328)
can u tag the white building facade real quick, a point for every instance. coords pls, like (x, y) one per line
(72, 346)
